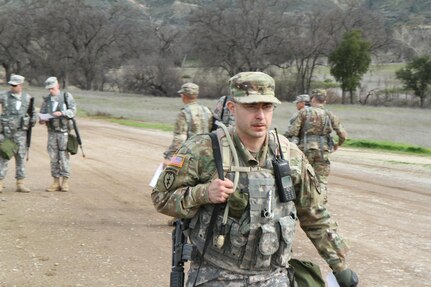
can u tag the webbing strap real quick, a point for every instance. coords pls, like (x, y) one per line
(217, 207)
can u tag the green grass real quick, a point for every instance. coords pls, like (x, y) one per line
(140, 124)
(387, 146)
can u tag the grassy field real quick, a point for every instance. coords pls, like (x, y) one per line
(396, 125)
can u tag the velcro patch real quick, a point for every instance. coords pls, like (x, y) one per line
(177, 160)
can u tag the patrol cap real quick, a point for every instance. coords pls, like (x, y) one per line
(16, 80)
(302, 98)
(190, 89)
(320, 93)
(253, 87)
(51, 82)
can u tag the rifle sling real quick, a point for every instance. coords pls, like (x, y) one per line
(217, 207)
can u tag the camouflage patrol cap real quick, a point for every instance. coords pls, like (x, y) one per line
(16, 80)
(253, 87)
(302, 98)
(189, 89)
(321, 93)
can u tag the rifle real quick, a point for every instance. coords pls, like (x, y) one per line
(181, 253)
(30, 126)
(75, 127)
(78, 137)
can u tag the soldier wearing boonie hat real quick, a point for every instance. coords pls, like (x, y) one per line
(17, 115)
(250, 240)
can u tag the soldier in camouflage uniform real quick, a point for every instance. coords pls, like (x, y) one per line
(62, 107)
(221, 112)
(258, 227)
(313, 127)
(14, 123)
(301, 102)
(193, 119)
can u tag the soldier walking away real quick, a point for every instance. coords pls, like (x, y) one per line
(192, 119)
(17, 116)
(221, 112)
(313, 127)
(58, 108)
(240, 191)
(301, 102)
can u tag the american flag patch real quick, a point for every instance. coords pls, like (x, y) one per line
(177, 161)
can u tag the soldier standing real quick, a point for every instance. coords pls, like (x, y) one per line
(256, 221)
(60, 108)
(15, 121)
(192, 119)
(313, 127)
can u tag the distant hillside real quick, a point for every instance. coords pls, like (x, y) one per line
(396, 12)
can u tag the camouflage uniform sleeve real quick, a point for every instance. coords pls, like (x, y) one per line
(180, 135)
(183, 186)
(338, 128)
(313, 216)
(295, 126)
(71, 106)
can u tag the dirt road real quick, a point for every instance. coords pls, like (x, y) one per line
(105, 231)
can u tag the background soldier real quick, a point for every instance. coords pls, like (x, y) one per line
(313, 127)
(221, 112)
(258, 227)
(192, 119)
(61, 107)
(301, 102)
(15, 121)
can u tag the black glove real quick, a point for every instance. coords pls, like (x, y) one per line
(347, 278)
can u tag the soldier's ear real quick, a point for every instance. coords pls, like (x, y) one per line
(231, 106)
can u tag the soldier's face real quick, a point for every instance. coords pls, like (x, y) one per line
(252, 120)
(16, 89)
(54, 91)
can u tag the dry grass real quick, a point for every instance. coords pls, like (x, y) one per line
(400, 125)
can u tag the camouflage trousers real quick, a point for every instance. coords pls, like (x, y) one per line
(321, 166)
(20, 138)
(57, 143)
(211, 276)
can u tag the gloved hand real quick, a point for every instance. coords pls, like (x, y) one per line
(346, 278)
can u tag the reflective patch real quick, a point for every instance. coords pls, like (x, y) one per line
(168, 179)
(177, 161)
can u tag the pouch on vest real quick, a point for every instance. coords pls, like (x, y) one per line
(72, 144)
(8, 148)
(307, 274)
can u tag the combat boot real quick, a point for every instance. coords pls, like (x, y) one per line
(65, 184)
(55, 186)
(20, 187)
(1, 186)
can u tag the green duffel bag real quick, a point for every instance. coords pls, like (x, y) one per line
(8, 149)
(307, 274)
(72, 144)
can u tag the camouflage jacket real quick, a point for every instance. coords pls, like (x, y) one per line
(191, 120)
(182, 190)
(313, 123)
(64, 103)
(15, 113)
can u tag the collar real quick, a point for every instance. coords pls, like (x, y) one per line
(246, 156)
